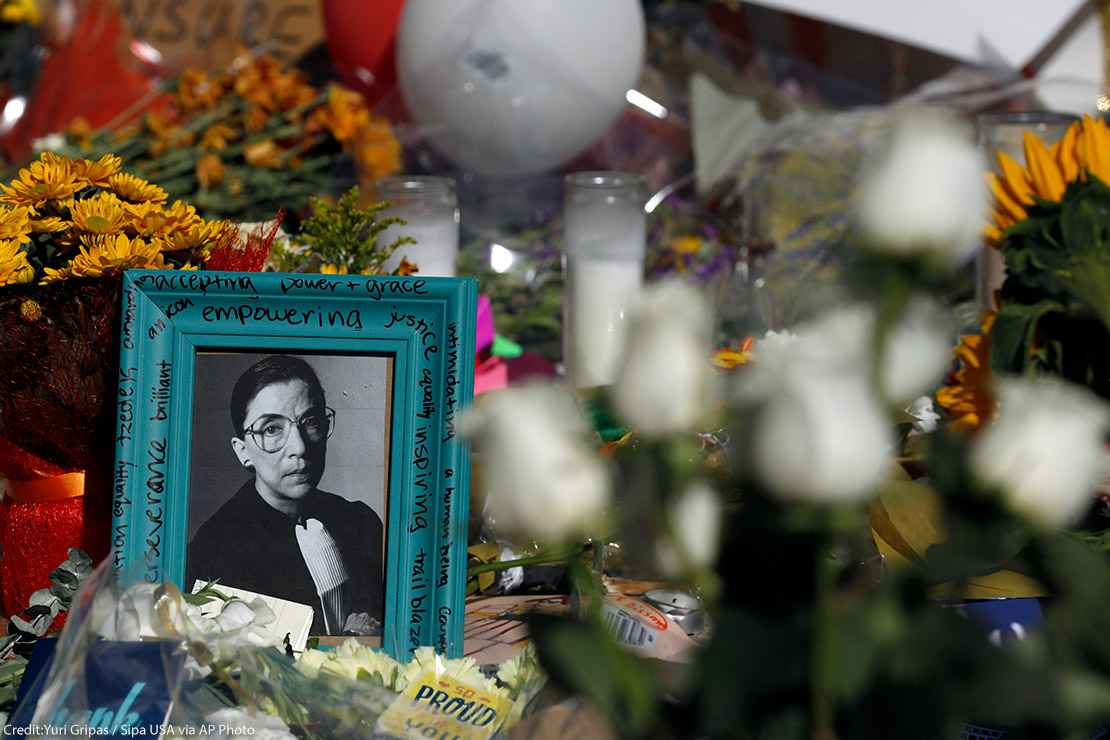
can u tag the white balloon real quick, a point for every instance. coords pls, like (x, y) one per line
(517, 87)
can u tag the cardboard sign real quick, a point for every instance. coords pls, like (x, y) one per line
(125, 690)
(442, 707)
(206, 33)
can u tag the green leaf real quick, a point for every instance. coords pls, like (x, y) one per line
(1014, 331)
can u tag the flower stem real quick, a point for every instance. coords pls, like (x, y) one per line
(544, 558)
(822, 667)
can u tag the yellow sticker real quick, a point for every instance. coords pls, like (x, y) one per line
(443, 708)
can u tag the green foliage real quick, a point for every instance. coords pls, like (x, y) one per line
(1055, 315)
(345, 236)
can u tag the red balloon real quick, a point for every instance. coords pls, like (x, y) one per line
(361, 37)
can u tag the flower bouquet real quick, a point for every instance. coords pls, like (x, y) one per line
(836, 587)
(245, 143)
(68, 228)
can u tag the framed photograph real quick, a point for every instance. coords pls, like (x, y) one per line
(294, 436)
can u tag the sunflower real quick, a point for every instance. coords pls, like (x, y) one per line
(135, 189)
(967, 397)
(1084, 149)
(102, 214)
(15, 224)
(14, 267)
(96, 173)
(102, 255)
(49, 178)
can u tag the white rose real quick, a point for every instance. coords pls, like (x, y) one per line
(695, 521)
(822, 437)
(542, 479)
(927, 195)
(917, 351)
(1046, 451)
(924, 414)
(666, 384)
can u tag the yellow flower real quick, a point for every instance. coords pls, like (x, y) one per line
(49, 178)
(135, 189)
(96, 173)
(254, 120)
(102, 214)
(686, 244)
(217, 136)
(377, 151)
(406, 268)
(344, 114)
(30, 310)
(210, 171)
(1084, 149)
(263, 153)
(730, 358)
(14, 267)
(968, 397)
(203, 236)
(15, 223)
(196, 90)
(20, 11)
(48, 224)
(329, 269)
(101, 255)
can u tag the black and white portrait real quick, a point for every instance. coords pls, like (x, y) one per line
(288, 486)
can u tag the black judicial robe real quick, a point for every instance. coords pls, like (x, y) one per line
(249, 544)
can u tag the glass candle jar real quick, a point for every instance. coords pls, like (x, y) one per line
(431, 210)
(603, 266)
(1005, 132)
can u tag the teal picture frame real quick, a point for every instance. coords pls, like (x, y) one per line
(427, 325)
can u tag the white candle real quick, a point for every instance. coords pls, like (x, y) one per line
(429, 207)
(603, 265)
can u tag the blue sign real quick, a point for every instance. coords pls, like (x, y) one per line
(124, 690)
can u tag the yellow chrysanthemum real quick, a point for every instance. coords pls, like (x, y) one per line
(147, 219)
(135, 189)
(48, 225)
(49, 178)
(98, 173)
(20, 11)
(102, 214)
(1084, 149)
(263, 153)
(30, 310)
(967, 397)
(202, 236)
(14, 267)
(15, 224)
(101, 255)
